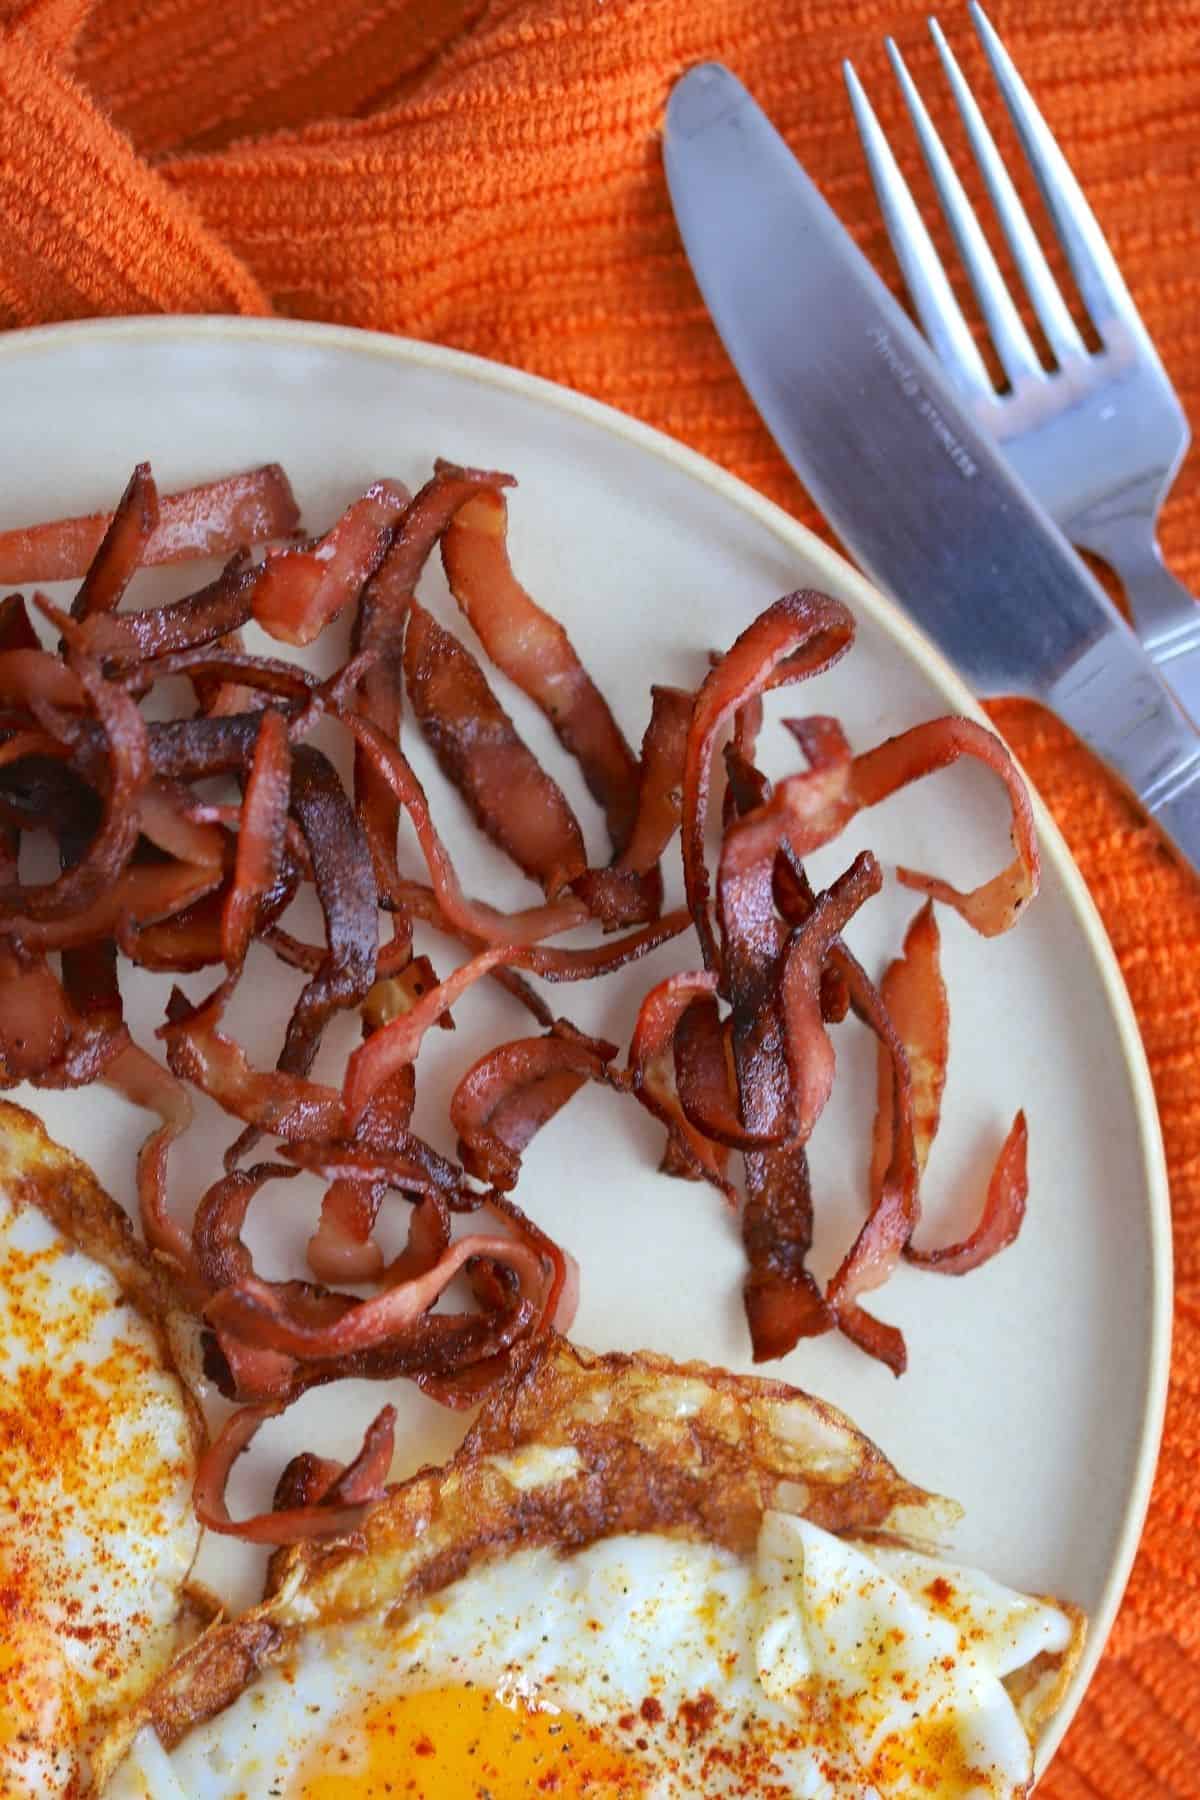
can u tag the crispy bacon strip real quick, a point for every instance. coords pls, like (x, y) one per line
(915, 997)
(16, 627)
(800, 814)
(772, 1010)
(506, 1097)
(291, 1107)
(1002, 1215)
(394, 1156)
(660, 788)
(794, 897)
(288, 1106)
(798, 636)
(141, 895)
(416, 978)
(35, 1026)
(237, 676)
(380, 699)
(379, 634)
(553, 964)
(428, 1239)
(186, 935)
(743, 779)
(808, 1048)
(477, 920)
(214, 519)
(184, 942)
(781, 1053)
(257, 1322)
(533, 650)
(305, 1481)
(29, 674)
(561, 1293)
(346, 889)
(129, 640)
(364, 1479)
(144, 1082)
(89, 979)
(342, 1248)
(630, 891)
(23, 745)
(807, 810)
(167, 821)
(895, 1208)
(300, 591)
(746, 787)
(180, 749)
(89, 971)
(293, 1525)
(782, 1300)
(651, 1072)
(439, 1350)
(543, 960)
(426, 518)
(221, 1257)
(512, 799)
(122, 549)
(128, 771)
(704, 1078)
(398, 1042)
(261, 839)
(994, 907)
(254, 1309)
(914, 994)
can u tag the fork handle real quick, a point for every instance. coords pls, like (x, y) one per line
(1165, 615)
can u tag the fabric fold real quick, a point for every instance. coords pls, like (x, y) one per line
(86, 226)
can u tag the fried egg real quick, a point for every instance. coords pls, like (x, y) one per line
(98, 1446)
(646, 1666)
(687, 1583)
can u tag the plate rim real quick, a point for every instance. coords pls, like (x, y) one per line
(297, 333)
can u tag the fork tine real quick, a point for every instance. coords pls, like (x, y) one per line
(1048, 303)
(932, 295)
(1092, 263)
(1013, 346)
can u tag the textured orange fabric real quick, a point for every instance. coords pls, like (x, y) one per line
(488, 175)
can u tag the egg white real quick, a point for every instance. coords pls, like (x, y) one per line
(97, 1531)
(818, 1653)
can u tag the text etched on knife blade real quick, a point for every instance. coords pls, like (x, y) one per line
(910, 386)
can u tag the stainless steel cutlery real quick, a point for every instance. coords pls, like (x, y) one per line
(1097, 436)
(894, 454)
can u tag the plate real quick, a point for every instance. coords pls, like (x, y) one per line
(1035, 1387)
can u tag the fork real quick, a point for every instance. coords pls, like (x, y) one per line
(1097, 439)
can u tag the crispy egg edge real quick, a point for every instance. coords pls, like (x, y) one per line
(575, 1447)
(36, 1171)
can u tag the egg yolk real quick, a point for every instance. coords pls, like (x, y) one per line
(34, 1683)
(928, 1759)
(462, 1743)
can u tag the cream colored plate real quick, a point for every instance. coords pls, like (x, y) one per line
(1035, 1387)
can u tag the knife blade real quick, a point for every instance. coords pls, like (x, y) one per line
(857, 404)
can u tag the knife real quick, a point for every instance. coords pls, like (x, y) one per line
(857, 404)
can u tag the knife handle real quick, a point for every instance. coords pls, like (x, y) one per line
(1113, 698)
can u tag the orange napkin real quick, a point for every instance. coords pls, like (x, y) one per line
(488, 175)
